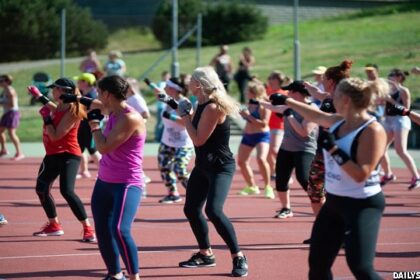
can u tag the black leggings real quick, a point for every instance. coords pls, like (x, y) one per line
(212, 185)
(352, 221)
(286, 162)
(66, 165)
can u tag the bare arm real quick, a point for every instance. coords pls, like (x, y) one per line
(310, 113)
(316, 92)
(66, 124)
(304, 128)
(208, 122)
(371, 148)
(126, 126)
(261, 122)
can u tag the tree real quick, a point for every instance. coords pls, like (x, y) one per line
(223, 23)
(31, 29)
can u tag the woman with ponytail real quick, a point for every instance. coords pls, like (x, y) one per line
(63, 156)
(211, 178)
(353, 147)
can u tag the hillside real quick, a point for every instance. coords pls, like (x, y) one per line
(390, 40)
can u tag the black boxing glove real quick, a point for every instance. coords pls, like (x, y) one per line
(169, 116)
(328, 143)
(278, 99)
(254, 101)
(72, 98)
(184, 107)
(397, 110)
(95, 115)
(287, 112)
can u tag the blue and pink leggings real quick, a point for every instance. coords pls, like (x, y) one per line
(114, 207)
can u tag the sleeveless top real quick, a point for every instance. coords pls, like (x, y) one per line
(276, 120)
(215, 151)
(294, 142)
(337, 181)
(396, 96)
(66, 144)
(327, 106)
(175, 135)
(125, 163)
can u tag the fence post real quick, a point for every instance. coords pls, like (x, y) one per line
(199, 34)
(63, 41)
(175, 64)
(296, 42)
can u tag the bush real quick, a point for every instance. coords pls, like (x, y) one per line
(31, 29)
(223, 23)
(233, 22)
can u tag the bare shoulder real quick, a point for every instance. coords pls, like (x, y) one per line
(373, 132)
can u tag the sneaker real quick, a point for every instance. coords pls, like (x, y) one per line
(110, 277)
(170, 199)
(387, 178)
(50, 229)
(4, 153)
(307, 241)
(88, 234)
(199, 260)
(240, 267)
(3, 220)
(284, 213)
(147, 179)
(269, 192)
(18, 157)
(414, 184)
(250, 190)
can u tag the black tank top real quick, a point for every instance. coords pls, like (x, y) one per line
(397, 98)
(215, 150)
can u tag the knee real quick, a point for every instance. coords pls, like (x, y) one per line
(213, 214)
(67, 193)
(242, 162)
(190, 212)
(261, 160)
(42, 188)
(361, 271)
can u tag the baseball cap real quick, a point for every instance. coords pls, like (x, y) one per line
(296, 86)
(319, 70)
(87, 77)
(63, 83)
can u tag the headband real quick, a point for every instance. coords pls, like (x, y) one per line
(172, 85)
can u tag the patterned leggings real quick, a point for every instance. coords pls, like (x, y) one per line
(173, 165)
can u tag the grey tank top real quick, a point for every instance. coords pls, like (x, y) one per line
(293, 142)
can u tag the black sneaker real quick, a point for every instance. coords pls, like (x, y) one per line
(170, 199)
(199, 260)
(240, 267)
(307, 241)
(284, 213)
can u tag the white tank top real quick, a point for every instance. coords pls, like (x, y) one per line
(175, 135)
(337, 181)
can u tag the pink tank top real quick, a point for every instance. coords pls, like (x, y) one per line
(125, 163)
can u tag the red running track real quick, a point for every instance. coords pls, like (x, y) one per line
(274, 247)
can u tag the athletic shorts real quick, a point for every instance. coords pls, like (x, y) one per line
(10, 119)
(396, 123)
(253, 139)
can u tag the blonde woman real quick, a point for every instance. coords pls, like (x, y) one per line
(256, 135)
(353, 148)
(211, 178)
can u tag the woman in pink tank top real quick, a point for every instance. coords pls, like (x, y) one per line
(119, 186)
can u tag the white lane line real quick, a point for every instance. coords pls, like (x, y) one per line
(245, 247)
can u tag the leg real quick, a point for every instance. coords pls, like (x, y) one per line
(48, 172)
(102, 205)
(166, 157)
(276, 137)
(196, 195)
(302, 162)
(126, 203)
(385, 162)
(182, 158)
(316, 187)
(244, 153)
(400, 144)
(16, 142)
(326, 239)
(3, 150)
(69, 165)
(284, 168)
(219, 186)
(362, 225)
(264, 167)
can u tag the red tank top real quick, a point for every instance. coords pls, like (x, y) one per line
(275, 121)
(66, 144)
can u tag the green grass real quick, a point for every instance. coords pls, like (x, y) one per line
(388, 39)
